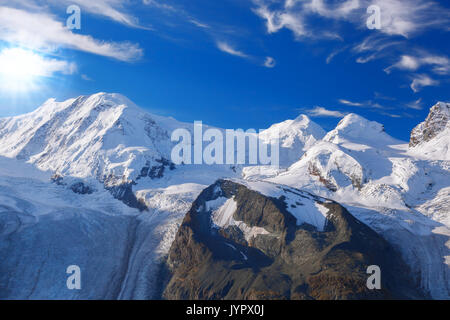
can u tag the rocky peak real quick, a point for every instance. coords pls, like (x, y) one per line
(238, 243)
(436, 122)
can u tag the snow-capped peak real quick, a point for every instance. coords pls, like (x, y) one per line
(300, 125)
(353, 127)
(302, 118)
(87, 103)
(295, 137)
(353, 124)
(99, 135)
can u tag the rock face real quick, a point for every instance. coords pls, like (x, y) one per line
(238, 243)
(436, 122)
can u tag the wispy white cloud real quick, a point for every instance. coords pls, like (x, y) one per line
(227, 48)
(340, 11)
(398, 17)
(440, 64)
(334, 53)
(417, 104)
(391, 115)
(400, 20)
(422, 80)
(269, 62)
(407, 18)
(375, 47)
(177, 11)
(406, 63)
(111, 9)
(44, 31)
(322, 112)
(373, 106)
(161, 5)
(85, 77)
(350, 103)
(199, 24)
(370, 104)
(279, 19)
(115, 10)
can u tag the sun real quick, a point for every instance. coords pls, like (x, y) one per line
(20, 63)
(20, 69)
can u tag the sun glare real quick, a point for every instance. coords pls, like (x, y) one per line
(19, 69)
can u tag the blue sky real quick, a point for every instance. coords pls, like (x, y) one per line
(234, 63)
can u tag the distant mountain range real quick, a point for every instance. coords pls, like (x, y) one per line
(90, 182)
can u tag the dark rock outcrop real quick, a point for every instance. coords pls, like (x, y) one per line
(287, 261)
(77, 186)
(156, 171)
(124, 192)
(438, 119)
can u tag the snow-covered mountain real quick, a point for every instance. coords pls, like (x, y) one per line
(91, 136)
(430, 138)
(64, 166)
(295, 137)
(349, 155)
(384, 184)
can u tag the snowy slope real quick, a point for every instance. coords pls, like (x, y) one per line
(347, 157)
(91, 136)
(305, 207)
(295, 136)
(45, 228)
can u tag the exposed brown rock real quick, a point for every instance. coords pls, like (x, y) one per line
(292, 262)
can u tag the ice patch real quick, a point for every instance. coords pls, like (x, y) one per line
(222, 217)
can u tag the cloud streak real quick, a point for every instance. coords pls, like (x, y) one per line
(416, 105)
(350, 103)
(422, 80)
(322, 112)
(227, 48)
(439, 64)
(111, 9)
(43, 31)
(398, 17)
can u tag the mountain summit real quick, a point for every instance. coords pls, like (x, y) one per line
(97, 136)
(354, 127)
(295, 137)
(437, 121)
(430, 139)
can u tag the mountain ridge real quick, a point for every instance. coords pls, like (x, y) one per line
(109, 149)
